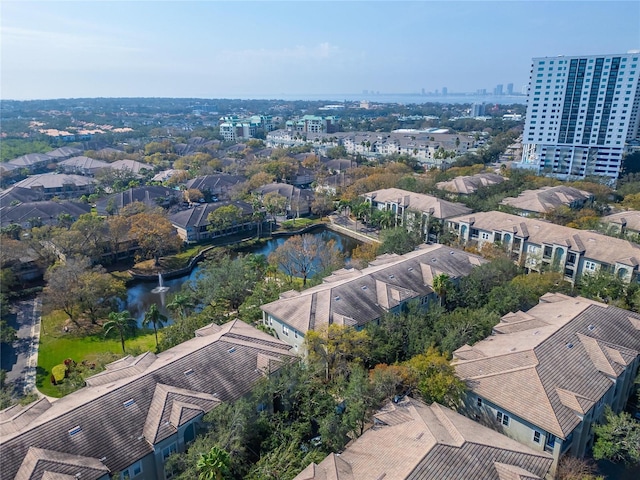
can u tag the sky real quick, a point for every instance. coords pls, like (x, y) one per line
(268, 49)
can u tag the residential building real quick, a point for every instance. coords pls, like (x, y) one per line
(33, 162)
(413, 441)
(547, 199)
(298, 200)
(415, 210)
(624, 223)
(150, 195)
(355, 298)
(35, 214)
(63, 153)
(313, 124)
(545, 376)
(233, 128)
(135, 167)
(193, 223)
(17, 195)
(538, 245)
(581, 112)
(51, 185)
(82, 165)
(133, 415)
(216, 187)
(469, 184)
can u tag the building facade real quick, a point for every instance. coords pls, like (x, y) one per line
(581, 112)
(539, 245)
(545, 376)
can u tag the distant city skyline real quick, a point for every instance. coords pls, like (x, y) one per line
(268, 49)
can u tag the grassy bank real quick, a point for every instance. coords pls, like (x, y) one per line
(86, 343)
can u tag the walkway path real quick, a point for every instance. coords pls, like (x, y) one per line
(351, 228)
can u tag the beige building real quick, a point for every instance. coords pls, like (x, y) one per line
(133, 415)
(546, 199)
(354, 297)
(545, 376)
(413, 441)
(538, 245)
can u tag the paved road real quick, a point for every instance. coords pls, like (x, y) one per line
(20, 360)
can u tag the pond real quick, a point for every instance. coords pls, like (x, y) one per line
(141, 295)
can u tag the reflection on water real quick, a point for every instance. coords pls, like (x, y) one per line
(141, 295)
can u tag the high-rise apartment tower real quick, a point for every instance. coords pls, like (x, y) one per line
(582, 112)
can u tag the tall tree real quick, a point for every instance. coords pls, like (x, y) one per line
(155, 234)
(223, 218)
(304, 255)
(122, 323)
(180, 305)
(154, 317)
(336, 347)
(618, 439)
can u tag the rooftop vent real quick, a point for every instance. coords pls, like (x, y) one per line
(591, 328)
(392, 276)
(337, 297)
(75, 430)
(434, 260)
(410, 269)
(363, 287)
(231, 350)
(129, 403)
(451, 252)
(569, 345)
(189, 372)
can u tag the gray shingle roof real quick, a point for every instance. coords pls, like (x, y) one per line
(470, 184)
(411, 440)
(54, 180)
(198, 215)
(549, 371)
(215, 183)
(48, 211)
(115, 417)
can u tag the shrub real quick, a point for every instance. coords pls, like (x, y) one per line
(59, 372)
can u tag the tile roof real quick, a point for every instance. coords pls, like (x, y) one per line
(416, 201)
(147, 194)
(410, 440)
(42, 463)
(54, 180)
(128, 164)
(630, 218)
(546, 199)
(470, 183)
(556, 368)
(118, 416)
(356, 297)
(16, 195)
(31, 159)
(593, 245)
(84, 163)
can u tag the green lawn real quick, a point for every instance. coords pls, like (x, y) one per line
(89, 344)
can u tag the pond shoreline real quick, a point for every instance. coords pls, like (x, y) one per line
(239, 246)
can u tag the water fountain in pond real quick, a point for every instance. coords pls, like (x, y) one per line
(160, 288)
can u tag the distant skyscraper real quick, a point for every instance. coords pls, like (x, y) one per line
(477, 109)
(581, 112)
(498, 89)
(444, 90)
(509, 88)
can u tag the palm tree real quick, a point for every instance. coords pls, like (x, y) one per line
(154, 317)
(386, 218)
(441, 285)
(180, 305)
(123, 322)
(213, 465)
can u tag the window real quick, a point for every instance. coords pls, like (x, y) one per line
(503, 418)
(132, 471)
(536, 436)
(591, 266)
(166, 451)
(285, 330)
(479, 402)
(485, 236)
